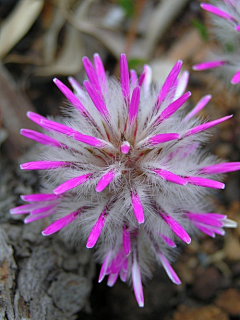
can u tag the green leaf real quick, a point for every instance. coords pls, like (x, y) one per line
(136, 63)
(201, 28)
(128, 6)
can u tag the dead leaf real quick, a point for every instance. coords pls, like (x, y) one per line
(17, 24)
(69, 61)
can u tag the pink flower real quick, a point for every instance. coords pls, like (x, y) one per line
(126, 172)
(225, 18)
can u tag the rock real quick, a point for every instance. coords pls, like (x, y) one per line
(229, 301)
(209, 312)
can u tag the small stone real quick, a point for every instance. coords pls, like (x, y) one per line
(229, 301)
(209, 312)
(207, 283)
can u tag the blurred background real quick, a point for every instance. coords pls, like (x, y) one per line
(45, 278)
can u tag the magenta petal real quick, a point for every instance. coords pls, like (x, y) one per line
(236, 78)
(147, 79)
(101, 74)
(237, 28)
(124, 72)
(182, 84)
(91, 73)
(205, 126)
(168, 241)
(72, 183)
(40, 137)
(174, 106)
(199, 106)
(70, 96)
(92, 141)
(168, 268)
(218, 12)
(112, 278)
(207, 218)
(161, 138)
(60, 224)
(203, 182)
(26, 208)
(96, 230)
(137, 283)
(221, 168)
(36, 217)
(134, 78)
(123, 275)
(39, 197)
(176, 228)
(43, 209)
(124, 76)
(169, 82)
(105, 180)
(43, 165)
(169, 176)
(104, 267)
(205, 230)
(134, 105)
(126, 241)
(141, 79)
(137, 208)
(96, 99)
(208, 65)
(36, 118)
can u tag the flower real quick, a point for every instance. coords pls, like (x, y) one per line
(125, 171)
(225, 28)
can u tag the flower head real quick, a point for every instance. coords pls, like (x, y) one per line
(225, 27)
(127, 171)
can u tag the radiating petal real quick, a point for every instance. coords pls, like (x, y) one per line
(104, 267)
(168, 268)
(176, 228)
(134, 105)
(97, 99)
(39, 197)
(163, 137)
(36, 217)
(89, 140)
(203, 182)
(168, 241)
(70, 96)
(126, 241)
(60, 224)
(221, 168)
(137, 283)
(208, 65)
(40, 138)
(168, 84)
(218, 12)
(96, 230)
(100, 71)
(199, 106)
(43, 165)
(169, 176)
(205, 126)
(137, 208)
(173, 107)
(91, 73)
(105, 180)
(134, 78)
(236, 78)
(72, 183)
(182, 84)
(124, 73)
